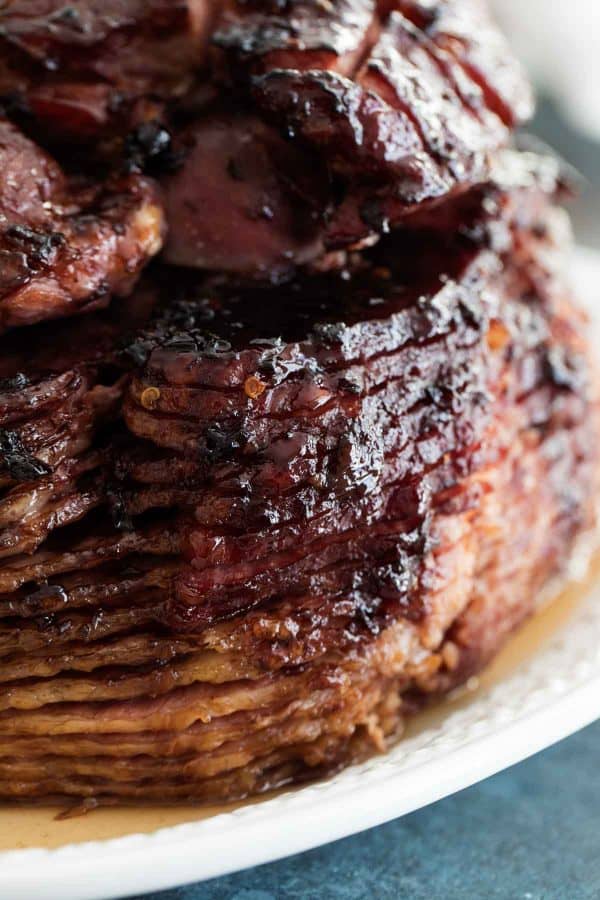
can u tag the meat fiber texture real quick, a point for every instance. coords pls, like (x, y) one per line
(329, 124)
(246, 530)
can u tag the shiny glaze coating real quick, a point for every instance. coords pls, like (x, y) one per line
(295, 527)
(68, 246)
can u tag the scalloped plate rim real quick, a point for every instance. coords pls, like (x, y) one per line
(421, 770)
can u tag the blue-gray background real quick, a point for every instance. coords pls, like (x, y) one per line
(530, 833)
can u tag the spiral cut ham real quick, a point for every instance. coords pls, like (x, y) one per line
(387, 107)
(265, 495)
(247, 529)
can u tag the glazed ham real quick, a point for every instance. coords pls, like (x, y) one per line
(316, 506)
(395, 106)
(270, 492)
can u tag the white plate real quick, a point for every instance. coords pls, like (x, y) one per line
(545, 686)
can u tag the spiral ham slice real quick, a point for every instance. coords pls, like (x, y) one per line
(90, 69)
(68, 247)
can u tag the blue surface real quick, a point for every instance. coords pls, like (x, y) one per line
(530, 833)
